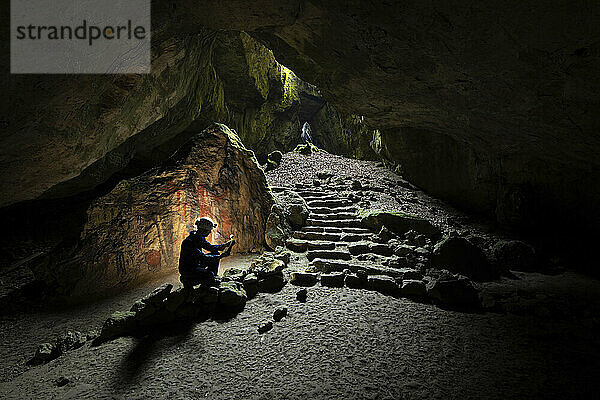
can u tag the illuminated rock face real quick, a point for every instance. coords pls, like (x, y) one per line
(135, 231)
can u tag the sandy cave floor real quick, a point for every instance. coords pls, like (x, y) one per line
(341, 343)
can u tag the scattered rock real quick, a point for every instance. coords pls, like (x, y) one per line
(274, 160)
(232, 295)
(301, 295)
(458, 255)
(266, 265)
(251, 285)
(265, 327)
(234, 274)
(45, 352)
(120, 323)
(383, 284)
(62, 381)
(283, 255)
(70, 341)
(324, 175)
(279, 313)
(335, 279)
(206, 295)
(306, 149)
(91, 335)
(158, 294)
(413, 288)
(304, 278)
(272, 283)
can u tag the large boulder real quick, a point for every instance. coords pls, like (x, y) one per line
(457, 254)
(135, 231)
(289, 213)
(45, 352)
(269, 272)
(232, 296)
(277, 229)
(515, 255)
(398, 222)
(274, 160)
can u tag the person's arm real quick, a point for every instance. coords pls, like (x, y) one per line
(229, 245)
(211, 247)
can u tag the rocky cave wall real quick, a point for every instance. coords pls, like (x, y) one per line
(491, 105)
(134, 232)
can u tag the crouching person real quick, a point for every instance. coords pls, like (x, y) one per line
(197, 266)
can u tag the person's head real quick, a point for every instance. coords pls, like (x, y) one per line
(204, 226)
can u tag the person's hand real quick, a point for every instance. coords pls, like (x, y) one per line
(226, 253)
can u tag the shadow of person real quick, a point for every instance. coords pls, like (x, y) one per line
(147, 348)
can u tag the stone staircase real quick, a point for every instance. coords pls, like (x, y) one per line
(333, 238)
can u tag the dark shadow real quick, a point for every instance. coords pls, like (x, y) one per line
(149, 347)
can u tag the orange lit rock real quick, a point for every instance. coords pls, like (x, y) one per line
(135, 231)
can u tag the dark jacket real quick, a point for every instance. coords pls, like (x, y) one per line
(192, 256)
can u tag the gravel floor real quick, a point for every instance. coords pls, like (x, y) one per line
(342, 343)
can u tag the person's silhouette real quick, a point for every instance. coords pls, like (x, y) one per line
(196, 266)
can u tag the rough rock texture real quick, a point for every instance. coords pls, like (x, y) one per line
(68, 134)
(515, 255)
(342, 134)
(288, 214)
(457, 254)
(491, 106)
(397, 222)
(135, 231)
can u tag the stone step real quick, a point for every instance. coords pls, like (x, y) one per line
(323, 196)
(333, 229)
(339, 223)
(302, 245)
(329, 203)
(329, 255)
(328, 266)
(331, 237)
(333, 216)
(355, 237)
(311, 192)
(319, 229)
(365, 247)
(350, 229)
(327, 210)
